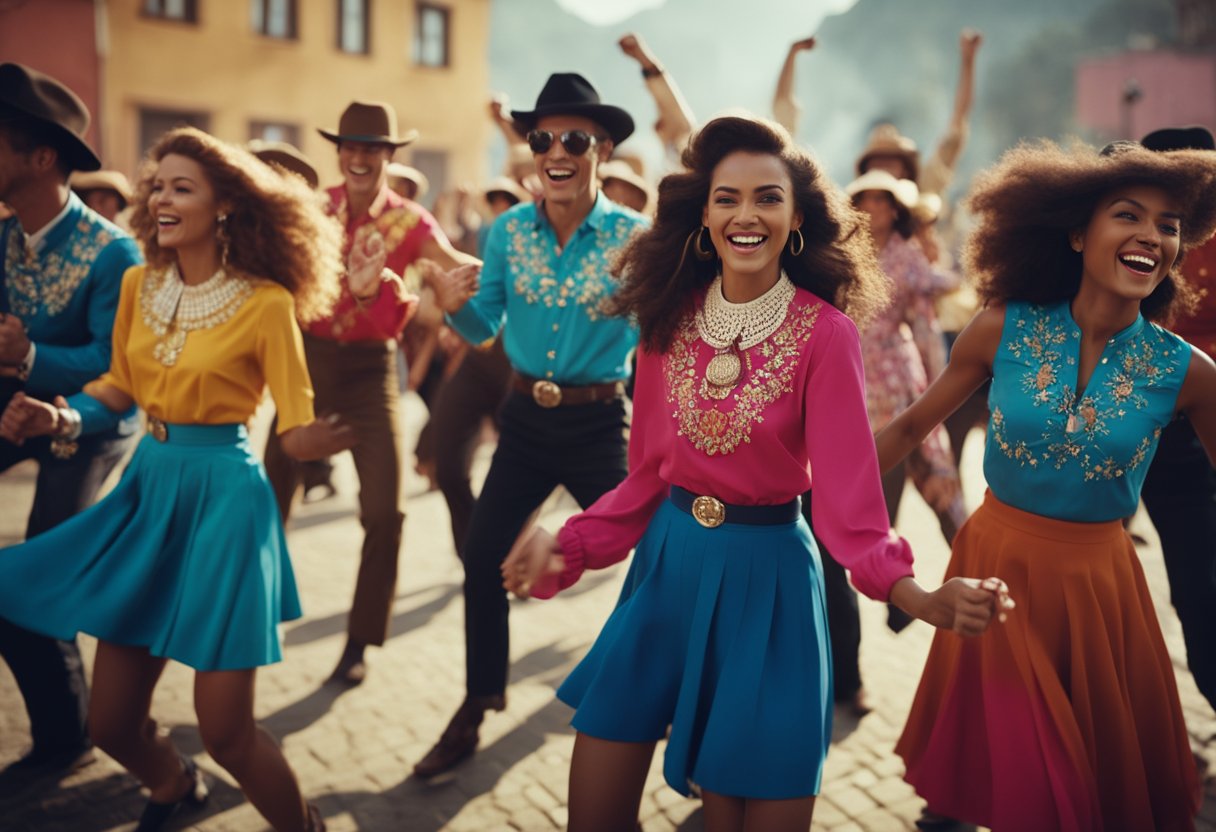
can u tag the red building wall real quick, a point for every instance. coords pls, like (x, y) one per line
(1176, 89)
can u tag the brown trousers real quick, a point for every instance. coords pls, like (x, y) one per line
(358, 382)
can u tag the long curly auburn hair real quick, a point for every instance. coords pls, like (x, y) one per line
(1037, 194)
(277, 228)
(662, 279)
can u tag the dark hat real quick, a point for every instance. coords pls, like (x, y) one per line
(373, 122)
(285, 156)
(29, 93)
(1180, 138)
(570, 94)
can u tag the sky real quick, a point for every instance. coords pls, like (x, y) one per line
(611, 12)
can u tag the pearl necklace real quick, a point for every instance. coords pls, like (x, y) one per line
(731, 328)
(171, 309)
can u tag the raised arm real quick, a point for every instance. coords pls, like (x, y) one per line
(970, 364)
(786, 109)
(939, 169)
(502, 120)
(675, 121)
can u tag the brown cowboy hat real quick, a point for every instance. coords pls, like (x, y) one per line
(570, 94)
(28, 93)
(102, 180)
(287, 157)
(886, 140)
(373, 122)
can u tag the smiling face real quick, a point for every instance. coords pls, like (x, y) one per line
(1131, 241)
(183, 204)
(750, 214)
(880, 205)
(567, 179)
(364, 167)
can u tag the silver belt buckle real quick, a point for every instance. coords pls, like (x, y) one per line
(710, 512)
(546, 393)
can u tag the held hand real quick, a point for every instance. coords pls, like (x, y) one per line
(26, 418)
(454, 288)
(533, 565)
(14, 343)
(969, 43)
(364, 265)
(968, 605)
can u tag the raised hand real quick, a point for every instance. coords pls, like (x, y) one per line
(533, 566)
(969, 41)
(454, 288)
(804, 45)
(364, 265)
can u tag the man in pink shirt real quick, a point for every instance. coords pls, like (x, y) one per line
(352, 355)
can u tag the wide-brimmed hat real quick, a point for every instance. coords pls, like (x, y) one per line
(30, 93)
(570, 94)
(372, 122)
(904, 190)
(505, 185)
(1180, 138)
(285, 156)
(886, 140)
(622, 171)
(102, 180)
(400, 171)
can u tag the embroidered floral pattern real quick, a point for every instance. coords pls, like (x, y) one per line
(719, 427)
(48, 282)
(1076, 426)
(590, 285)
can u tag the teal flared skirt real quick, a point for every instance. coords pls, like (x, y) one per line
(721, 634)
(186, 557)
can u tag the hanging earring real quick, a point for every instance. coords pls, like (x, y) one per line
(801, 242)
(221, 235)
(703, 249)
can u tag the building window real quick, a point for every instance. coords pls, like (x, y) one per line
(353, 26)
(155, 123)
(431, 35)
(274, 18)
(275, 131)
(434, 165)
(183, 10)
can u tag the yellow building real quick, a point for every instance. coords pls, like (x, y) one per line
(279, 69)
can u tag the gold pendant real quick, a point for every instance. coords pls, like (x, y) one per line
(723, 369)
(169, 348)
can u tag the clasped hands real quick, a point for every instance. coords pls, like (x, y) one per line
(533, 566)
(27, 417)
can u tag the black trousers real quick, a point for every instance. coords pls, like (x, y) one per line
(1180, 495)
(50, 672)
(581, 447)
(844, 619)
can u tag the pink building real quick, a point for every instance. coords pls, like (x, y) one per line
(1126, 95)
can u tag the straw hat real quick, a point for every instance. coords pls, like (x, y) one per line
(372, 122)
(400, 171)
(505, 185)
(622, 171)
(287, 157)
(886, 140)
(102, 180)
(904, 190)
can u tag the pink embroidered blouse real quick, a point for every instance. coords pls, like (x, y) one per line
(798, 414)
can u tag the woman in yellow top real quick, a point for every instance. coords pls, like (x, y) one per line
(186, 558)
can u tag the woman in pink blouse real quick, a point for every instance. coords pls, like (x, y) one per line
(749, 378)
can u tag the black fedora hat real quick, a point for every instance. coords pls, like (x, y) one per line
(1180, 138)
(372, 122)
(570, 94)
(28, 93)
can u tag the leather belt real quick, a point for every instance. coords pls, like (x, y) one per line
(711, 512)
(551, 394)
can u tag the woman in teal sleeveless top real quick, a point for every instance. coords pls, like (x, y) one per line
(1068, 716)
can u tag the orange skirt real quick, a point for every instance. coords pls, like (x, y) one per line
(1067, 715)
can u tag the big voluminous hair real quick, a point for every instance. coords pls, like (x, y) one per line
(277, 228)
(662, 277)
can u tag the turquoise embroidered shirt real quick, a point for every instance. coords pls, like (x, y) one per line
(1077, 456)
(554, 298)
(66, 295)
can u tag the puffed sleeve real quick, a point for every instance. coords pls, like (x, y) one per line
(95, 417)
(280, 352)
(848, 511)
(604, 533)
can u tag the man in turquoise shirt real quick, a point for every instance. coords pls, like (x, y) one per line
(60, 274)
(546, 270)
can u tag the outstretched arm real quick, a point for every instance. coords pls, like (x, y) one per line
(786, 109)
(674, 125)
(970, 364)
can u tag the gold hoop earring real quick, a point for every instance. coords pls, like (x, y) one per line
(700, 248)
(801, 242)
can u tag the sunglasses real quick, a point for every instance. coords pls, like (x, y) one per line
(576, 142)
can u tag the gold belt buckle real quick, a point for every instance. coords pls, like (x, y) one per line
(546, 394)
(709, 511)
(158, 429)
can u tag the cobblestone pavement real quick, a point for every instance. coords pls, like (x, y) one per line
(353, 749)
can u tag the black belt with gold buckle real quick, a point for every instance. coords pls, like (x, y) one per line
(549, 394)
(711, 512)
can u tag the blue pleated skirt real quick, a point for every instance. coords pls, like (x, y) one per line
(186, 556)
(720, 634)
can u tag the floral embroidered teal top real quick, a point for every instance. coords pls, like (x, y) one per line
(1077, 455)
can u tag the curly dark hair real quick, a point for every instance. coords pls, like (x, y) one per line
(277, 228)
(661, 279)
(1030, 202)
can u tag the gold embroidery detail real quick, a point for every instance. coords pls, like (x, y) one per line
(50, 280)
(214, 302)
(720, 431)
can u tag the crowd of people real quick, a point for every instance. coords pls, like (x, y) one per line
(733, 372)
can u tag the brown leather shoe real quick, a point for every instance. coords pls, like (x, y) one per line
(459, 739)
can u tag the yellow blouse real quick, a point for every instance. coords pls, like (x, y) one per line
(222, 371)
